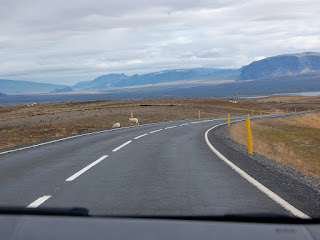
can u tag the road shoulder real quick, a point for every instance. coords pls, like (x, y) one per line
(288, 183)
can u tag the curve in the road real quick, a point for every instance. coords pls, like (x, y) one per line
(253, 181)
(142, 135)
(41, 200)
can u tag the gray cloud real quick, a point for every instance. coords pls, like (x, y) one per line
(70, 41)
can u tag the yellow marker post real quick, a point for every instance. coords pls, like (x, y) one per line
(260, 114)
(252, 112)
(250, 151)
(308, 109)
(287, 110)
(131, 115)
(199, 114)
(228, 120)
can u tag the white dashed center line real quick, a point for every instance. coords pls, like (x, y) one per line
(141, 136)
(170, 127)
(157, 130)
(39, 201)
(83, 170)
(121, 146)
(208, 120)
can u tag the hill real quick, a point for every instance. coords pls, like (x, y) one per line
(14, 87)
(122, 80)
(63, 90)
(283, 65)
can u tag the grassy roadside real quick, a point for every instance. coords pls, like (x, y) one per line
(293, 141)
(24, 124)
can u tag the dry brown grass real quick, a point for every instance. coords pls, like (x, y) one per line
(21, 124)
(283, 102)
(294, 141)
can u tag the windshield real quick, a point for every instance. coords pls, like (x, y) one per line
(161, 108)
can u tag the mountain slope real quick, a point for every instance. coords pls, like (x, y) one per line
(283, 65)
(122, 80)
(12, 86)
(63, 90)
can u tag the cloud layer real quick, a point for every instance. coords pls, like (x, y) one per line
(70, 41)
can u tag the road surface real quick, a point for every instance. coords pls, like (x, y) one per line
(155, 169)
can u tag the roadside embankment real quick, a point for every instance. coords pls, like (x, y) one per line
(293, 141)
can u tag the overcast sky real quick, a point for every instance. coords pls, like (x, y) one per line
(67, 41)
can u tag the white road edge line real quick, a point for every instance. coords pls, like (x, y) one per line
(156, 131)
(185, 124)
(77, 174)
(141, 136)
(62, 139)
(254, 182)
(121, 146)
(39, 201)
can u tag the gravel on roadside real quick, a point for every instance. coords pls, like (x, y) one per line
(290, 172)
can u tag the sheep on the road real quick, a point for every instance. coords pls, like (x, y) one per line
(116, 125)
(133, 121)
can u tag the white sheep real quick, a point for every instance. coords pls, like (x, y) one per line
(116, 125)
(133, 121)
(31, 104)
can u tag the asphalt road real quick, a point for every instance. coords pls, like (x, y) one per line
(156, 169)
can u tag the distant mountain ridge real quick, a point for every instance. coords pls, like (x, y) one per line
(122, 80)
(14, 87)
(282, 65)
(292, 69)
